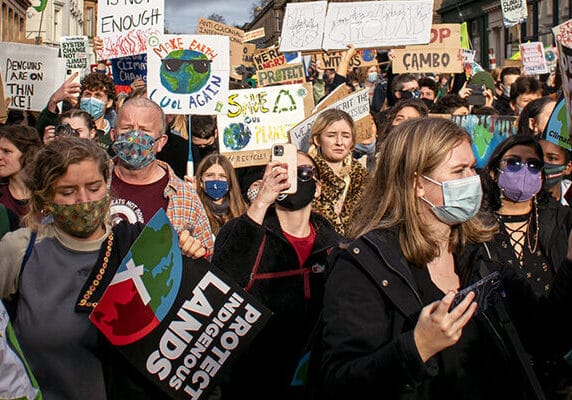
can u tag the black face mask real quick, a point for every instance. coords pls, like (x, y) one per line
(206, 150)
(303, 196)
(428, 103)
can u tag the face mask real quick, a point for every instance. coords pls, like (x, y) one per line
(365, 148)
(80, 220)
(134, 149)
(461, 199)
(553, 174)
(93, 107)
(216, 189)
(206, 150)
(372, 77)
(303, 196)
(506, 91)
(252, 192)
(519, 185)
(428, 103)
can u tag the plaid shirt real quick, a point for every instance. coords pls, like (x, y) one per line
(185, 210)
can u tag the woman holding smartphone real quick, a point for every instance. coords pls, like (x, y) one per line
(389, 327)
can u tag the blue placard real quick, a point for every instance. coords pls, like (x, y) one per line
(127, 69)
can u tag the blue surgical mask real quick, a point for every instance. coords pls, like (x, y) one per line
(216, 189)
(372, 77)
(134, 149)
(461, 199)
(93, 107)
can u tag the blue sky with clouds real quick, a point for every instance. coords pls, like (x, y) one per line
(181, 15)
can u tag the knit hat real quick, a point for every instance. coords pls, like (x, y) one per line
(483, 78)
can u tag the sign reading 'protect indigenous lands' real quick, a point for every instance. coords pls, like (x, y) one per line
(188, 74)
(179, 321)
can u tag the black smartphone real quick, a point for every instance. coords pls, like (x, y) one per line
(488, 292)
(476, 98)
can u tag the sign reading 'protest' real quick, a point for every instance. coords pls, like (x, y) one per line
(126, 25)
(179, 322)
(283, 74)
(31, 74)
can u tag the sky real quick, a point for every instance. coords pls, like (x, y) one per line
(181, 15)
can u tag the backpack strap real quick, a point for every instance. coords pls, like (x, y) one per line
(12, 304)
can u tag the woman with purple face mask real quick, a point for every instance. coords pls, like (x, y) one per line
(533, 227)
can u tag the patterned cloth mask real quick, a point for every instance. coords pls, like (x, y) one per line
(82, 219)
(135, 149)
(93, 107)
(553, 174)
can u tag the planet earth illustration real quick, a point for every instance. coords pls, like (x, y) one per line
(185, 71)
(236, 136)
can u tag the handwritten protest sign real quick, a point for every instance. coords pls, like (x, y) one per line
(371, 24)
(441, 55)
(75, 51)
(557, 129)
(268, 58)
(283, 74)
(336, 95)
(563, 33)
(303, 26)
(240, 54)
(179, 322)
(31, 74)
(355, 104)
(126, 25)
(533, 60)
(210, 27)
(188, 74)
(255, 119)
(563, 36)
(331, 60)
(487, 132)
(513, 12)
(128, 69)
(253, 35)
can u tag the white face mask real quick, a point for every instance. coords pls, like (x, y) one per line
(461, 199)
(506, 91)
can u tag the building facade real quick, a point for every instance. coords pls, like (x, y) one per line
(59, 18)
(13, 20)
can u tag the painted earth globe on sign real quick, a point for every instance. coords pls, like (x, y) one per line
(185, 71)
(236, 136)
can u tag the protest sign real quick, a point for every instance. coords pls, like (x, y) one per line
(331, 60)
(356, 104)
(127, 69)
(563, 33)
(533, 60)
(371, 24)
(268, 58)
(179, 322)
(240, 54)
(303, 26)
(188, 74)
(487, 132)
(255, 119)
(336, 95)
(126, 25)
(557, 129)
(253, 35)
(283, 74)
(31, 74)
(563, 36)
(513, 12)
(441, 55)
(210, 27)
(75, 51)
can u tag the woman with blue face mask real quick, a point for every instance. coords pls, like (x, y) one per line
(533, 225)
(219, 190)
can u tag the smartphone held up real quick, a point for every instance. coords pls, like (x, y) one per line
(286, 153)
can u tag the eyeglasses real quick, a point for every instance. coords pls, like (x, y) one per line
(306, 173)
(65, 130)
(514, 164)
(175, 64)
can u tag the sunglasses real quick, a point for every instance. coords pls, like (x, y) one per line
(65, 130)
(306, 172)
(175, 64)
(514, 164)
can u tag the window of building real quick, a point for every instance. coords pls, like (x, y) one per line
(89, 22)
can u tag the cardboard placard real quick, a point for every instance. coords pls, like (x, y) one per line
(331, 60)
(125, 28)
(189, 74)
(255, 119)
(372, 24)
(441, 55)
(240, 54)
(282, 75)
(268, 58)
(32, 73)
(533, 60)
(253, 35)
(210, 27)
(179, 322)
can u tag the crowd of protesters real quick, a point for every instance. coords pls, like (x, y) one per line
(361, 264)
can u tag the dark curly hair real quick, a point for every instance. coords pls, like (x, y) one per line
(96, 81)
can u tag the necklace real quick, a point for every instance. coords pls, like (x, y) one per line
(522, 232)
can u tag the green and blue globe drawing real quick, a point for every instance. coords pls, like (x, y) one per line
(185, 71)
(236, 136)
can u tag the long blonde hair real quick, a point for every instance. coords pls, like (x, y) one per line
(416, 147)
(236, 204)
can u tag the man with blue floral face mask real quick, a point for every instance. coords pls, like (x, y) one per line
(141, 184)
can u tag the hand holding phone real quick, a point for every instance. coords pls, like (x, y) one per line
(488, 292)
(477, 97)
(287, 154)
(71, 71)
